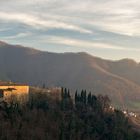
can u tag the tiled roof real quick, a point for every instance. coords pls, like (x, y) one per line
(11, 84)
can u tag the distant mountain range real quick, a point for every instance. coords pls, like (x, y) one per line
(118, 79)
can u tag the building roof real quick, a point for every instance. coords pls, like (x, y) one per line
(11, 84)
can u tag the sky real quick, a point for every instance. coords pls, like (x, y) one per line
(106, 28)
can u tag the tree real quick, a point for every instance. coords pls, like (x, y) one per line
(89, 100)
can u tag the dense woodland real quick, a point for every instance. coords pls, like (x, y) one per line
(82, 117)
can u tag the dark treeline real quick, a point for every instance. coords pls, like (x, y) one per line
(82, 117)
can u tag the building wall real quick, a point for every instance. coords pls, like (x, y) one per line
(20, 92)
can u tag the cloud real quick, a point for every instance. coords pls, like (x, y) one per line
(84, 44)
(121, 17)
(37, 22)
(17, 36)
(114, 24)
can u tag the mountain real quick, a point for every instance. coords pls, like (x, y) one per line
(120, 80)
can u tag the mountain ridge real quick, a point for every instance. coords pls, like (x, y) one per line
(120, 80)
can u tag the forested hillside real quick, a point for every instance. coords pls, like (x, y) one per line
(44, 117)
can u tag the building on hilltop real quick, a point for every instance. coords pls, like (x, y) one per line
(10, 91)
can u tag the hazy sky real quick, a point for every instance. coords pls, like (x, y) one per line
(106, 28)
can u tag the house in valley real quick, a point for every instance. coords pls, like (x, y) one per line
(9, 91)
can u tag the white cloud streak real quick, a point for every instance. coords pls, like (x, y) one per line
(17, 36)
(84, 44)
(37, 22)
(121, 17)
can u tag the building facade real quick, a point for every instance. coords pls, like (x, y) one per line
(10, 91)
